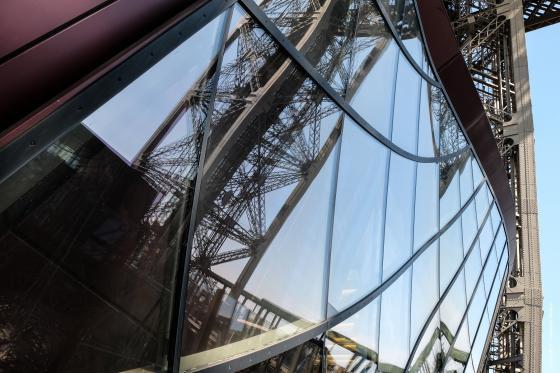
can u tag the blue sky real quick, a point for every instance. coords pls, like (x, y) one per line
(543, 49)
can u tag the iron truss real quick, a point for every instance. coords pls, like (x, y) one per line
(540, 13)
(483, 30)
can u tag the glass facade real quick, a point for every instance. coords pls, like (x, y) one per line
(300, 164)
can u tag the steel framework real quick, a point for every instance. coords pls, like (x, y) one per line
(491, 35)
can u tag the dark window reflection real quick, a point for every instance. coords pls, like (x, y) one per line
(258, 265)
(91, 226)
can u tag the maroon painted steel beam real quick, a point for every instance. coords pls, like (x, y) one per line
(457, 81)
(50, 50)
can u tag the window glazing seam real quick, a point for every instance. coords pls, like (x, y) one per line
(464, 318)
(450, 285)
(272, 30)
(255, 356)
(485, 306)
(401, 45)
(179, 302)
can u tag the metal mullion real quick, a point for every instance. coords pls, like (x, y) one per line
(295, 55)
(181, 279)
(255, 356)
(449, 286)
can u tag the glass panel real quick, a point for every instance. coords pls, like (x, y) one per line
(477, 173)
(495, 215)
(476, 308)
(466, 182)
(470, 228)
(330, 34)
(478, 345)
(493, 298)
(161, 107)
(358, 220)
(451, 254)
(351, 346)
(428, 353)
(490, 271)
(409, 32)
(91, 225)
(425, 209)
(486, 239)
(258, 263)
(399, 214)
(405, 114)
(451, 137)
(428, 132)
(402, 14)
(459, 354)
(452, 308)
(394, 325)
(371, 92)
(449, 203)
(473, 269)
(424, 290)
(500, 239)
(307, 357)
(469, 368)
(482, 205)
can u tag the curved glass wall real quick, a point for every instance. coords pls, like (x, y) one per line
(320, 188)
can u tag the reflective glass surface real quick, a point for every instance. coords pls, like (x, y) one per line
(405, 115)
(426, 202)
(300, 211)
(473, 267)
(452, 309)
(351, 346)
(394, 325)
(89, 225)
(459, 352)
(399, 214)
(428, 352)
(428, 131)
(449, 194)
(373, 97)
(259, 257)
(358, 218)
(450, 254)
(424, 290)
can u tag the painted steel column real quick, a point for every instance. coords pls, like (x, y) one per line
(526, 297)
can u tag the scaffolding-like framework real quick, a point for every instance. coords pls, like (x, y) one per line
(491, 35)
